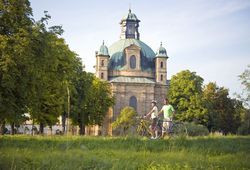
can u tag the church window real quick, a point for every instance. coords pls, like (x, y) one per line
(132, 62)
(102, 75)
(133, 102)
(161, 77)
(102, 63)
(161, 64)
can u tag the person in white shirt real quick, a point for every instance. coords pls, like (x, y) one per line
(153, 114)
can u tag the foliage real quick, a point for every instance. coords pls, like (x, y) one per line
(185, 94)
(15, 28)
(39, 73)
(91, 100)
(196, 129)
(223, 112)
(125, 120)
(245, 81)
(244, 128)
(74, 152)
(99, 101)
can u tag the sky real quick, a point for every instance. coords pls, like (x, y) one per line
(211, 38)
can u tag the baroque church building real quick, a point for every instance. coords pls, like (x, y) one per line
(137, 74)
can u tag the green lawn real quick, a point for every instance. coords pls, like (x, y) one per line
(58, 152)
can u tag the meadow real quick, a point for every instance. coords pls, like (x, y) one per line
(75, 152)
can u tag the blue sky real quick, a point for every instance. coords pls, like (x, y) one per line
(211, 37)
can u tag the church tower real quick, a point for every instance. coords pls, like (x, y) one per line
(161, 65)
(129, 26)
(102, 60)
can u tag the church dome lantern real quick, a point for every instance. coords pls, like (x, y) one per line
(130, 17)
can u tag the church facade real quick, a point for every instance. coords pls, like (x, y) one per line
(137, 74)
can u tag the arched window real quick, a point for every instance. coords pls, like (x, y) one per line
(161, 77)
(102, 63)
(102, 75)
(132, 62)
(161, 64)
(133, 102)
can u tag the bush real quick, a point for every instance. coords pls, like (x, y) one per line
(196, 129)
(244, 129)
(125, 120)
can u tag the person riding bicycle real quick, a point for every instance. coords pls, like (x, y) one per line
(168, 113)
(154, 117)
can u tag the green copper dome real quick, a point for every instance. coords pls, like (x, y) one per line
(117, 55)
(103, 50)
(161, 52)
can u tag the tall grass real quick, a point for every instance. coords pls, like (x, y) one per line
(58, 152)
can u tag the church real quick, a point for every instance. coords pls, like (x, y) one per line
(137, 74)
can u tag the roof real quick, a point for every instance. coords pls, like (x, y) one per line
(103, 50)
(117, 58)
(130, 16)
(122, 79)
(161, 52)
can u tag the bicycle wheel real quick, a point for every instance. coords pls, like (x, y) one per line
(178, 129)
(141, 131)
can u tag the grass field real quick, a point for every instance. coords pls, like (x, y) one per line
(58, 152)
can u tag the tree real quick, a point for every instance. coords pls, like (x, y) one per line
(223, 112)
(245, 98)
(15, 28)
(185, 93)
(82, 84)
(91, 100)
(245, 81)
(54, 66)
(34, 66)
(125, 120)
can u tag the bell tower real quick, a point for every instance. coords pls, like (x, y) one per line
(129, 26)
(161, 65)
(102, 59)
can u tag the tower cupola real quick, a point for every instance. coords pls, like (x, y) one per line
(129, 26)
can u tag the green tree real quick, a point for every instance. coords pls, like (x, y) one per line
(245, 81)
(36, 66)
(52, 70)
(185, 94)
(223, 112)
(245, 98)
(125, 120)
(83, 85)
(91, 100)
(15, 27)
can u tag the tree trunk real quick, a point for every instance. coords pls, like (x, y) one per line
(12, 128)
(41, 128)
(2, 127)
(82, 128)
(64, 122)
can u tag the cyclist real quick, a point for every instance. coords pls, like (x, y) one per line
(154, 117)
(168, 112)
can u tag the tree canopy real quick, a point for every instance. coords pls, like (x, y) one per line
(185, 94)
(39, 74)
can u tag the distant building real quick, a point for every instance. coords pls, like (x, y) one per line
(137, 74)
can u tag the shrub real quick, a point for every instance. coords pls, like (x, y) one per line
(196, 129)
(125, 120)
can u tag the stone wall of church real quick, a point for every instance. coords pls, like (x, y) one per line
(160, 94)
(144, 94)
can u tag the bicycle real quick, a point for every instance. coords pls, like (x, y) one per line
(176, 129)
(143, 128)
